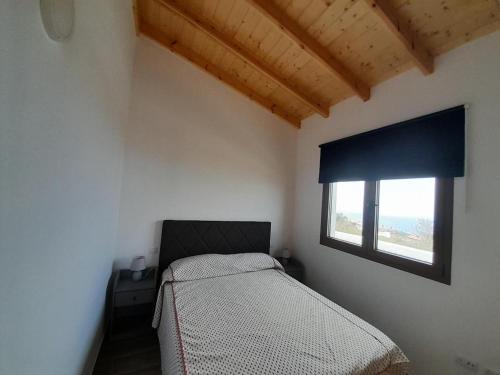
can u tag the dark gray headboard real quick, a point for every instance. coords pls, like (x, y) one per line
(183, 238)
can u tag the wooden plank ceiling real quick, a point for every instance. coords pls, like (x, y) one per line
(299, 57)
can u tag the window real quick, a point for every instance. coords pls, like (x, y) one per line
(388, 212)
(403, 223)
(405, 218)
(346, 207)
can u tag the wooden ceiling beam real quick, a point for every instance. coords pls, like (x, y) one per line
(137, 19)
(173, 6)
(311, 46)
(405, 35)
(159, 37)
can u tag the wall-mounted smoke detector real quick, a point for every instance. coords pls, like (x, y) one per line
(58, 17)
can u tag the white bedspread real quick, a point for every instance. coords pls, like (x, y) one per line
(262, 322)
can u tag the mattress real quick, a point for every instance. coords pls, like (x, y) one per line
(220, 315)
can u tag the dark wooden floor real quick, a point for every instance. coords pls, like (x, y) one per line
(131, 356)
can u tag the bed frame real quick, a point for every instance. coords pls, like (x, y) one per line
(183, 238)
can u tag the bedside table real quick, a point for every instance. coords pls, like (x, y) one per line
(131, 305)
(293, 268)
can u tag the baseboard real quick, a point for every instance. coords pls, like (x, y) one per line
(93, 354)
(99, 337)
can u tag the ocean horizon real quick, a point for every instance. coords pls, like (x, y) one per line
(399, 223)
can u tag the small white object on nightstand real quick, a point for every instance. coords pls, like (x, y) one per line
(285, 254)
(138, 265)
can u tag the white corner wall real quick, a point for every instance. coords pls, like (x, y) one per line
(432, 322)
(62, 108)
(195, 149)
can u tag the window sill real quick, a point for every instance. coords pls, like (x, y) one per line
(429, 271)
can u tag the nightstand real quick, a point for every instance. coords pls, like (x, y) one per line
(131, 305)
(293, 268)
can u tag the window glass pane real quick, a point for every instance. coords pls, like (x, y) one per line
(406, 218)
(346, 211)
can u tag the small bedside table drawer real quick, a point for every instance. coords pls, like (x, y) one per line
(135, 297)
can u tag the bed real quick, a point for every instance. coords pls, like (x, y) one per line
(225, 306)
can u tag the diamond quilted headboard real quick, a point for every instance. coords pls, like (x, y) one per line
(183, 238)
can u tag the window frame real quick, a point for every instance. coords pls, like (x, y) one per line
(439, 271)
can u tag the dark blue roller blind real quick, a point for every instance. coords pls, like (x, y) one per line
(427, 146)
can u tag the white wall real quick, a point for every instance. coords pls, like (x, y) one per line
(432, 322)
(61, 147)
(197, 150)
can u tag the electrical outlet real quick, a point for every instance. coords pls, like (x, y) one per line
(467, 363)
(490, 372)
